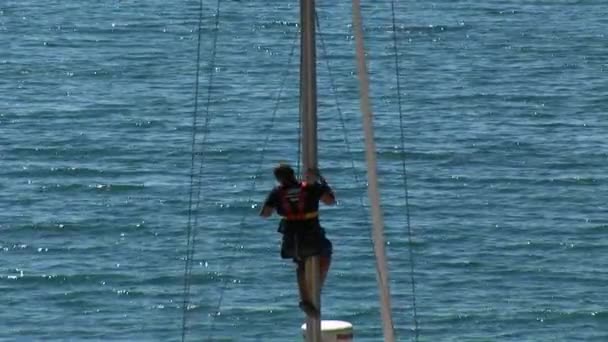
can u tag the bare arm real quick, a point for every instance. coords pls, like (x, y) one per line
(269, 205)
(328, 197)
(266, 211)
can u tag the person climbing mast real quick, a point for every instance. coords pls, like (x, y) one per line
(297, 202)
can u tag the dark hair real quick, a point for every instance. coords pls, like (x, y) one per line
(284, 173)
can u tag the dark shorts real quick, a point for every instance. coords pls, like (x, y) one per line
(304, 240)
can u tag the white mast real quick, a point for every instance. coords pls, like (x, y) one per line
(372, 178)
(308, 113)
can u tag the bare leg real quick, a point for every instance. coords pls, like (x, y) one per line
(301, 274)
(324, 268)
(306, 303)
(325, 263)
(306, 299)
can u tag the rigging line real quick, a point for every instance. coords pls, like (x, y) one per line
(405, 187)
(338, 108)
(345, 132)
(192, 232)
(191, 194)
(341, 116)
(257, 172)
(334, 90)
(299, 131)
(299, 145)
(342, 121)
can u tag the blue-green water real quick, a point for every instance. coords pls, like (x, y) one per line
(506, 151)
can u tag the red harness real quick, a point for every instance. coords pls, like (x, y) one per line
(299, 214)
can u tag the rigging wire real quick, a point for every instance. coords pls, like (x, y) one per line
(188, 266)
(191, 226)
(331, 78)
(338, 107)
(257, 173)
(299, 131)
(404, 172)
(345, 133)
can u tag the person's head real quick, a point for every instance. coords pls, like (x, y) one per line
(285, 174)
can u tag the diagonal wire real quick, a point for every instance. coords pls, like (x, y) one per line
(188, 262)
(256, 174)
(191, 229)
(338, 108)
(404, 171)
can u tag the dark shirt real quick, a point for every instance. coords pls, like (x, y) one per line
(313, 194)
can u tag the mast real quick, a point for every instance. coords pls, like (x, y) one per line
(308, 115)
